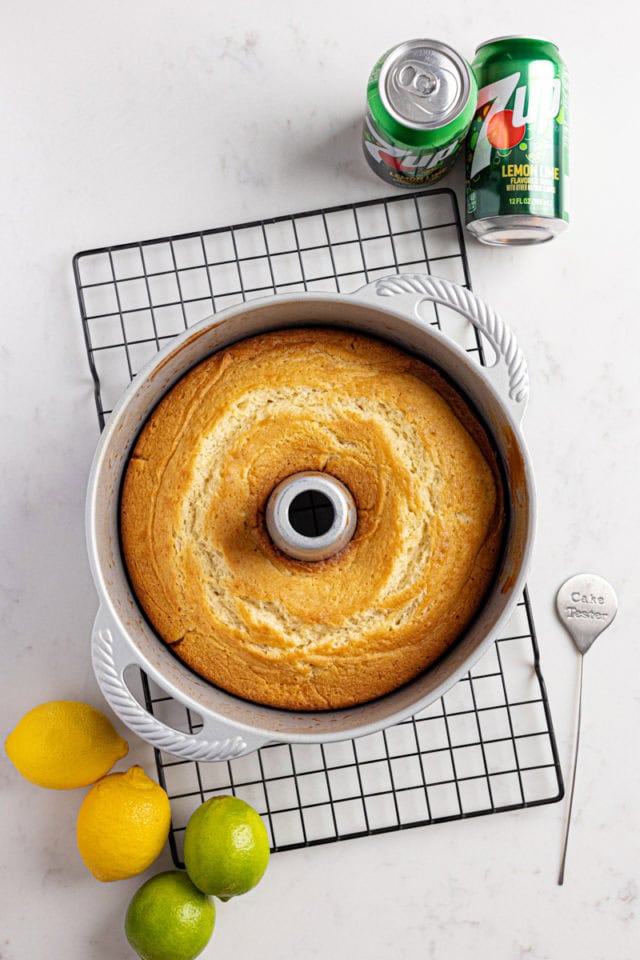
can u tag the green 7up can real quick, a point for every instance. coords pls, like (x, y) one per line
(518, 143)
(421, 96)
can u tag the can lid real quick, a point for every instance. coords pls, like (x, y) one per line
(516, 36)
(424, 84)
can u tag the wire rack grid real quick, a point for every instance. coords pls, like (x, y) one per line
(488, 745)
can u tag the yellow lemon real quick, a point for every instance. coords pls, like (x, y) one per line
(226, 847)
(64, 744)
(122, 825)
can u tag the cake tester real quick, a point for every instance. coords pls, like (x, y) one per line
(586, 605)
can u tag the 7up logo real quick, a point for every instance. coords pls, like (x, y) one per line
(403, 159)
(536, 104)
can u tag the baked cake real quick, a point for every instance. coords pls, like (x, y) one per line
(342, 631)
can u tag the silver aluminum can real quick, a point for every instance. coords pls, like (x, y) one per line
(421, 98)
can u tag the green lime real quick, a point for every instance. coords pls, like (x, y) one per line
(169, 919)
(226, 847)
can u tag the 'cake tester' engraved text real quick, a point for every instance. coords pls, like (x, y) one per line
(591, 598)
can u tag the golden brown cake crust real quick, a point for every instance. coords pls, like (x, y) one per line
(311, 636)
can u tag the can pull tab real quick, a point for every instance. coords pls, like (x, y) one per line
(432, 90)
(413, 78)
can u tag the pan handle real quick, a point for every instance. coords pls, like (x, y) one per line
(416, 287)
(111, 654)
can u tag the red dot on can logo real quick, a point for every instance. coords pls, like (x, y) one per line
(501, 133)
(394, 162)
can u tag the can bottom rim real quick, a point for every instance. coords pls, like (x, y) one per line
(516, 230)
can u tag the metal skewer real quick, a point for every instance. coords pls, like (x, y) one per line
(587, 605)
(573, 778)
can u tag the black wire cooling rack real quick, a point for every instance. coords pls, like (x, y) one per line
(488, 745)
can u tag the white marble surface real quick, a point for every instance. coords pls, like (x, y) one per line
(123, 120)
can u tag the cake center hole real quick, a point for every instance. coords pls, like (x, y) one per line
(311, 513)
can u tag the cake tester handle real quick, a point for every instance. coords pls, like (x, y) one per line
(587, 605)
